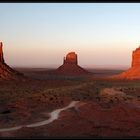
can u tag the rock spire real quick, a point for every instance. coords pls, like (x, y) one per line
(1, 53)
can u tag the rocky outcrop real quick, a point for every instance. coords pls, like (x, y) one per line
(136, 58)
(134, 71)
(70, 66)
(71, 58)
(6, 72)
(1, 53)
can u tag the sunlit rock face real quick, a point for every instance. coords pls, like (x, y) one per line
(70, 66)
(71, 58)
(6, 72)
(136, 58)
(134, 71)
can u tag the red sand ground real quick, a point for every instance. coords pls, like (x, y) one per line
(89, 120)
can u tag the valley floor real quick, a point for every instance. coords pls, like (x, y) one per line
(106, 108)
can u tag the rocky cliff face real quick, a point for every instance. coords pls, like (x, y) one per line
(71, 58)
(6, 72)
(136, 58)
(1, 53)
(134, 71)
(70, 66)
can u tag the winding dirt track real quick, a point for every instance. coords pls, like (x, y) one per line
(54, 115)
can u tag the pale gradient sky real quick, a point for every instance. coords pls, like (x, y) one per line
(39, 35)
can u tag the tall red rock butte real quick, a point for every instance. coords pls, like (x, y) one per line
(70, 66)
(6, 72)
(136, 58)
(134, 71)
(1, 53)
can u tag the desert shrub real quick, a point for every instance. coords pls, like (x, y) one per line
(98, 98)
(6, 112)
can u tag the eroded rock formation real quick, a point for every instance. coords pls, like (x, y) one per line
(70, 66)
(6, 72)
(71, 58)
(136, 58)
(134, 71)
(1, 53)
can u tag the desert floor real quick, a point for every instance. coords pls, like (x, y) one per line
(105, 107)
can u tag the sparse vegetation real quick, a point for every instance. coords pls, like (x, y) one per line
(24, 99)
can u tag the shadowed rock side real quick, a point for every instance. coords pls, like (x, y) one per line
(134, 71)
(7, 72)
(70, 66)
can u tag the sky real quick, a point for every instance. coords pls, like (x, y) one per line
(41, 34)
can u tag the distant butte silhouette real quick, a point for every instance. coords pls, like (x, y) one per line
(134, 71)
(70, 66)
(6, 72)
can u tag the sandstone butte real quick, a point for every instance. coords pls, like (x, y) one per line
(70, 66)
(6, 72)
(134, 71)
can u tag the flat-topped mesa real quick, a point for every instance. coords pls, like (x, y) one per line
(71, 58)
(1, 53)
(136, 58)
